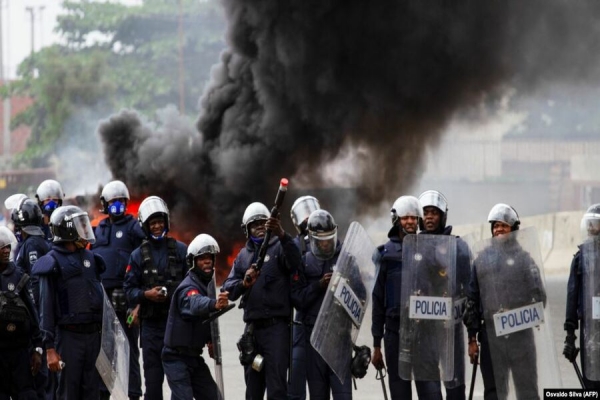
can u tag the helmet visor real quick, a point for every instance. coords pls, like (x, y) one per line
(150, 206)
(590, 225)
(322, 245)
(81, 223)
(302, 210)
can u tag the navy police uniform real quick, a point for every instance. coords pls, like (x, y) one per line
(575, 305)
(297, 387)
(307, 296)
(71, 305)
(154, 263)
(267, 309)
(115, 241)
(185, 337)
(19, 335)
(386, 315)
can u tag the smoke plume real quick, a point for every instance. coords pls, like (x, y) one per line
(302, 81)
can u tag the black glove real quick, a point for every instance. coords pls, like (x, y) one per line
(570, 351)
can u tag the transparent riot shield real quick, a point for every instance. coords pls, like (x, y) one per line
(463, 274)
(113, 361)
(215, 334)
(509, 273)
(345, 302)
(427, 325)
(590, 266)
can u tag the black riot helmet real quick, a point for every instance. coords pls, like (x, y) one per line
(27, 216)
(71, 223)
(322, 233)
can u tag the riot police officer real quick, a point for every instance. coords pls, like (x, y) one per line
(71, 304)
(584, 281)
(406, 212)
(27, 221)
(20, 339)
(266, 302)
(49, 195)
(435, 215)
(187, 334)
(116, 238)
(300, 211)
(505, 267)
(155, 270)
(308, 291)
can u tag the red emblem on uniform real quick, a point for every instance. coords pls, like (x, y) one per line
(192, 292)
(128, 269)
(296, 277)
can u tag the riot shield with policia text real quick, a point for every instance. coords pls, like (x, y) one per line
(113, 360)
(345, 302)
(509, 273)
(590, 265)
(427, 326)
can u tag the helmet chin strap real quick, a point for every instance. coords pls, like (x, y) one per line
(160, 237)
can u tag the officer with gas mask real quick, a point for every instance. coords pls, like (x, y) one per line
(71, 304)
(187, 334)
(116, 238)
(300, 211)
(308, 290)
(27, 221)
(435, 215)
(155, 270)
(406, 212)
(49, 195)
(20, 338)
(266, 302)
(583, 286)
(504, 277)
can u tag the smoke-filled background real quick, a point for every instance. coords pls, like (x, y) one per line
(368, 86)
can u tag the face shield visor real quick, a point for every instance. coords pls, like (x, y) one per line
(301, 210)
(81, 223)
(322, 244)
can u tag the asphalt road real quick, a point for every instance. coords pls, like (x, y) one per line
(369, 388)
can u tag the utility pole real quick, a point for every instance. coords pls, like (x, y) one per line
(181, 69)
(41, 28)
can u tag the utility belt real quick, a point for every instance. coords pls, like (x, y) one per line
(187, 351)
(118, 299)
(82, 328)
(268, 322)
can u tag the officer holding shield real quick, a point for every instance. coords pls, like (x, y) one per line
(405, 212)
(435, 215)
(308, 291)
(505, 277)
(116, 238)
(582, 290)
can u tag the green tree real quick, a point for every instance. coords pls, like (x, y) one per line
(115, 56)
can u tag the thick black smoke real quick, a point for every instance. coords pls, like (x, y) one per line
(304, 79)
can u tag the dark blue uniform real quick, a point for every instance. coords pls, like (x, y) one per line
(267, 308)
(71, 304)
(185, 337)
(307, 296)
(167, 258)
(17, 340)
(115, 242)
(575, 306)
(297, 387)
(386, 314)
(32, 248)
(455, 390)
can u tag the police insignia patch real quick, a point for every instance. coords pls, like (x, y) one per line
(510, 261)
(87, 263)
(11, 286)
(128, 269)
(267, 258)
(119, 234)
(192, 292)
(11, 327)
(32, 257)
(418, 256)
